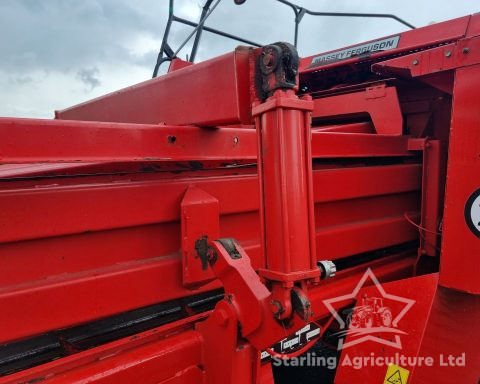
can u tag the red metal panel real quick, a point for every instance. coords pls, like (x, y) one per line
(177, 64)
(54, 209)
(97, 293)
(461, 246)
(348, 145)
(422, 291)
(446, 57)
(414, 39)
(380, 102)
(339, 241)
(456, 313)
(89, 251)
(359, 182)
(111, 246)
(33, 140)
(433, 191)
(149, 357)
(155, 354)
(213, 92)
(428, 325)
(474, 26)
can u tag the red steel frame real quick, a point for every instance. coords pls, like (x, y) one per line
(111, 237)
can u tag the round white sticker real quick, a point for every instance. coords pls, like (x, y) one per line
(472, 213)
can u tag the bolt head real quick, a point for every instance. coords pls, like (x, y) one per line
(415, 62)
(448, 54)
(465, 50)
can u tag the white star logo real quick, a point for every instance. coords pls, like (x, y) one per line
(367, 332)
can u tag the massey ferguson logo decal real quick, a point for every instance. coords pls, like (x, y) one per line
(356, 50)
(371, 315)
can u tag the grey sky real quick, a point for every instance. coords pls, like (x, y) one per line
(56, 53)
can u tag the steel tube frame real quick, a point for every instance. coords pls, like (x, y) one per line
(37, 140)
(200, 27)
(301, 11)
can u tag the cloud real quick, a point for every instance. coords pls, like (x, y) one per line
(21, 80)
(56, 53)
(87, 76)
(61, 34)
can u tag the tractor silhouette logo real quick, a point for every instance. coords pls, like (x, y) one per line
(372, 313)
(370, 316)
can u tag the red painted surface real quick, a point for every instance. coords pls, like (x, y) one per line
(180, 97)
(149, 357)
(286, 187)
(436, 313)
(420, 289)
(379, 102)
(462, 182)
(106, 222)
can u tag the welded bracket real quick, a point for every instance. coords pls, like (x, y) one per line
(200, 219)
